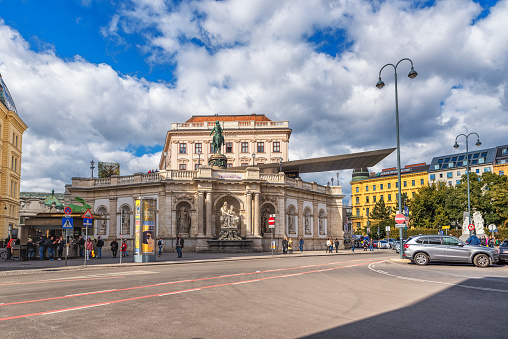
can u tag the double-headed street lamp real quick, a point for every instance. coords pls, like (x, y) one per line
(380, 84)
(478, 143)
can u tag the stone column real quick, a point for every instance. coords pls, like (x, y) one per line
(257, 232)
(315, 224)
(248, 214)
(167, 232)
(280, 224)
(208, 214)
(199, 211)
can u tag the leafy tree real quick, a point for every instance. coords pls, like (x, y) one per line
(380, 217)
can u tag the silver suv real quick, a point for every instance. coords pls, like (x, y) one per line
(423, 249)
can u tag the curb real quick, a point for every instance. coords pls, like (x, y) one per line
(401, 261)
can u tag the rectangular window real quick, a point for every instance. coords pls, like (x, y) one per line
(357, 189)
(183, 148)
(380, 186)
(389, 197)
(358, 224)
(373, 187)
(198, 148)
(245, 147)
(245, 164)
(366, 188)
(374, 199)
(449, 174)
(457, 182)
(381, 197)
(501, 172)
(440, 175)
(357, 212)
(211, 149)
(458, 173)
(196, 166)
(182, 167)
(449, 183)
(487, 169)
(422, 182)
(413, 194)
(229, 147)
(477, 170)
(397, 184)
(357, 200)
(261, 147)
(276, 146)
(229, 165)
(367, 200)
(413, 183)
(389, 185)
(367, 209)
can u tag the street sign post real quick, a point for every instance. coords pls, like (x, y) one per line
(67, 211)
(87, 222)
(271, 224)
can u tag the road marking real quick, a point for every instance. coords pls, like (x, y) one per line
(182, 291)
(114, 275)
(75, 309)
(179, 281)
(371, 267)
(178, 292)
(85, 293)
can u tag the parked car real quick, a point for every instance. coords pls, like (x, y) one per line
(374, 243)
(392, 243)
(383, 244)
(423, 249)
(503, 251)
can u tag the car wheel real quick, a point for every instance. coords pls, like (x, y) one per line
(421, 259)
(482, 260)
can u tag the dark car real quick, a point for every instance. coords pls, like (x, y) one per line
(439, 248)
(503, 251)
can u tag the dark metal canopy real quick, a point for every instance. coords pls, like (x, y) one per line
(331, 163)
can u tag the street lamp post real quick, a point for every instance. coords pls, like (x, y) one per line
(380, 84)
(92, 163)
(478, 143)
(332, 180)
(337, 179)
(199, 158)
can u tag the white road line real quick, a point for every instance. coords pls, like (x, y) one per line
(371, 267)
(72, 295)
(178, 292)
(75, 309)
(104, 275)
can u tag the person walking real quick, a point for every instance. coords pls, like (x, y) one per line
(114, 247)
(290, 245)
(300, 243)
(99, 245)
(371, 245)
(124, 249)
(160, 243)
(179, 245)
(89, 248)
(328, 244)
(365, 244)
(285, 245)
(336, 245)
(81, 245)
(60, 246)
(51, 245)
(42, 248)
(30, 248)
(353, 246)
(10, 247)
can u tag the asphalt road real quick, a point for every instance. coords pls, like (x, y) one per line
(359, 295)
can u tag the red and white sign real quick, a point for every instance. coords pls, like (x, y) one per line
(271, 221)
(400, 218)
(470, 227)
(88, 214)
(67, 210)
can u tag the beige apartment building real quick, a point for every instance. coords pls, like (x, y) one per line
(249, 140)
(11, 136)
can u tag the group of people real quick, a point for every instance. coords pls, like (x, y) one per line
(330, 243)
(484, 241)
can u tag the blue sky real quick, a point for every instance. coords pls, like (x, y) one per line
(104, 79)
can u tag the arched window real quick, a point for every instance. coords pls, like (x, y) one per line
(101, 225)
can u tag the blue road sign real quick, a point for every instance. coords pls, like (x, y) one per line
(67, 223)
(87, 222)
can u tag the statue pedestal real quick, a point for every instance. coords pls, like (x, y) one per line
(229, 233)
(202, 245)
(218, 161)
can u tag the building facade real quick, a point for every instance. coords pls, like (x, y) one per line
(191, 203)
(369, 188)
(12, 128)
(249, 139)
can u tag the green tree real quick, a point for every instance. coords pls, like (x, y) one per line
(380, 217)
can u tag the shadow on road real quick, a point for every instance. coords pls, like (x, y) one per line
(457, 312)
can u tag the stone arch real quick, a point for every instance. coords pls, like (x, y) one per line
(231, 202)
(183, 217)
(125, 219)
(101, 226)
(307, 221)
(292, 227)
(322, 222)
(266, 209)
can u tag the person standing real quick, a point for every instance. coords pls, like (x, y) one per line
(336, 245)
(89, 248)
(30, 248)
(179, 245)
(99, 245)
(10, 247)
(42, 247)
(114, 247)
(328, 244)
(285, 245)
(160, 243)
(301, 244)
(353, 246)
(60, 246)
(50, 245)
(365, 244)
(290, 245)
(371, 245)
(124, 249)
(81, 245)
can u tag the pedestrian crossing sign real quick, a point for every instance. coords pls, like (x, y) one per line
(67, 223)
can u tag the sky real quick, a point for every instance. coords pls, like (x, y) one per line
(103, 80)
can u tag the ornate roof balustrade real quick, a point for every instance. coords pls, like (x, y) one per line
(229, 125)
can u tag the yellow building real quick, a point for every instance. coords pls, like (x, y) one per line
(11, 136)
(369, 188)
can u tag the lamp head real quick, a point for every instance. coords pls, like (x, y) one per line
(456, 145)
(478, 142)
(92, 163)
(412, 74)
(380, 84)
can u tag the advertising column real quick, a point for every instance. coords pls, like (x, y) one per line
(144, 230)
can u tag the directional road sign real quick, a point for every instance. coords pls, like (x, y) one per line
(67, 223)
(87, 222)
(400, 226)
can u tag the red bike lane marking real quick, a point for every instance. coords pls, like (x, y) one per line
(182, 291)
(160, 284)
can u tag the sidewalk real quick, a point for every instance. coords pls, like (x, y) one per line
(36, 266)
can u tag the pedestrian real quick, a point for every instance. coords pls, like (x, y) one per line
(328, 244)
(473, 240)
(89, 248)
(290, 245)
(10, 247)
(30, 248)
(99, 245)
(81, 245)
(371, 245)
(331, 245)
(300, 243)
(60, 246)
(124, 249)
(160, 243)
(365, 244)
(353, 246)
(114, 247)
(42, 248)
(51, 245)
(285, 245)
(179, 245)
(336, 245)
